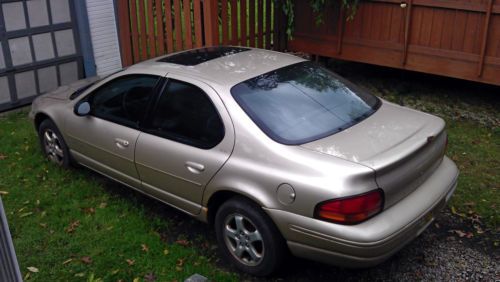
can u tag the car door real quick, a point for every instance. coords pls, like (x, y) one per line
(105, 139)
(186, 140)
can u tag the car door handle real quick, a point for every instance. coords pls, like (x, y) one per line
(195, 168)
(121, 143)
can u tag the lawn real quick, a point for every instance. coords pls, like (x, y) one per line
(75, 225)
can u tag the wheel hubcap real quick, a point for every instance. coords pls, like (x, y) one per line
(243, 239)
(53, 147)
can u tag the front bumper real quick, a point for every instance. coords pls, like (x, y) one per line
(375, 240)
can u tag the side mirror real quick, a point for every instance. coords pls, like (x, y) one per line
(82, 109)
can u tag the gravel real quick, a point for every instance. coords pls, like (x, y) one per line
(436, 255)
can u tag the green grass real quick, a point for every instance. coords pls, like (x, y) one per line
(43, 202)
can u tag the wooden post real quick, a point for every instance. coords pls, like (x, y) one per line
(124, 28)
(484, 42)
(211, 22)
(407, 31)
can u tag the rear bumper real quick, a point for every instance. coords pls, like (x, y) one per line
(375, 240)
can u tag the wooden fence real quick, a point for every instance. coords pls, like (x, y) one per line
(456, 38)
(149, 28)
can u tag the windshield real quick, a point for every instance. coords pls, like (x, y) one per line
(302, 103)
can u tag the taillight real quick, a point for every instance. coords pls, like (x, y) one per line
(351, 210)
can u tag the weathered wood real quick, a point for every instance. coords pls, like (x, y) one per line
(197, 24)
(160, 34)
(484, 41)
(151, 30)
(168, 26)
(124, 29)
(143, 32)
(225, 24)
(188, 35)
(457, 38)
(135, 31)
(178, 25)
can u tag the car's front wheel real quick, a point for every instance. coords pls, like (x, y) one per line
(248, 238)
(53, 145)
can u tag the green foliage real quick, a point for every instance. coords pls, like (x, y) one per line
(319, 7)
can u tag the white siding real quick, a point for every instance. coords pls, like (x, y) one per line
(104, 36)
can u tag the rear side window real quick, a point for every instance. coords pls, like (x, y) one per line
(187, 115)
(302, 103)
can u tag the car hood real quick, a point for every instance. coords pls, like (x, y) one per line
(402, 146)
(63, 92)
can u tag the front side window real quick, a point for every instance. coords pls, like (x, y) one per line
(302, 103)
(123, 100)
(187, 115)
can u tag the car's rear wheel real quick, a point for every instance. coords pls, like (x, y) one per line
(248, 238)
(53, 145)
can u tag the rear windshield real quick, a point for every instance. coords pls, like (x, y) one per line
(303, 102)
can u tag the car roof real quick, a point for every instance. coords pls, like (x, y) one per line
(224, 65)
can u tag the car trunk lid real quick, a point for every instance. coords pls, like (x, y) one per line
(401, 145)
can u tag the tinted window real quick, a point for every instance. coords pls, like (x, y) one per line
(186, 114)
(123, 100)
(302, 102)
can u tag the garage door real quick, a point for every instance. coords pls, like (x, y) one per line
(39, 49)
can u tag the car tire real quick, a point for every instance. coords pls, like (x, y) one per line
(53, 145)
(248, 238)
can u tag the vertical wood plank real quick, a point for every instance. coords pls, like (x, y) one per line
(135, 29)
(143, 32)
(197, 24)
(160, 34)
(408, 23)
(124, 27)
(188, 36)
(251, 22)
(177, 25)
(243, 23)
(484, 40)
(169, 32)
(276, 26)
(268, 24)
(340, 31)
(224, 17)
(234, 22)
(210, 20)
(260, 23)
(151, 30)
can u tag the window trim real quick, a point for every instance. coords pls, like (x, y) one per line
(160, 81)
(147, 124)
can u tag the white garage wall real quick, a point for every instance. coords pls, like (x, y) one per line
(104, 36)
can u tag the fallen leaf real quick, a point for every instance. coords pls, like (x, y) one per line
(89, 210)
(86, 260)
(81, 274)
(32, 269)
(67, 261)
(178, 268)
(462, 234)
(72, 227)
(165, 252)
(4, 192)
(2, 157)
(130, 262)
(115, 271)
(182, 242)
(144, 247)
(150, 277)
(27, 276)
(44, 225)
(180, 262)
(26, 214)
(136, 279)
(103, 205)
